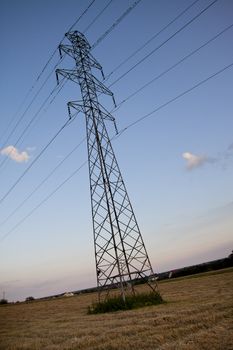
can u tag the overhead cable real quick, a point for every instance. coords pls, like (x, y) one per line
(117, 136)
(163, 43)
(79, 18)
(38, 78)
(35, 160)
(29, 124)
(151, 39)
(173, 99)
(43, 201)
(29, 105)
(99, 14)
(171, 67)
(42, 182)
(115, 24)
(47, 63)
(70, 28)
(14, 116)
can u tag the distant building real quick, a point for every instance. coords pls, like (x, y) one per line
(68, 294)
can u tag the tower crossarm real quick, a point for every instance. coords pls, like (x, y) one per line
(75, 75)
(80, 107)
(70, 74)
(68, 49)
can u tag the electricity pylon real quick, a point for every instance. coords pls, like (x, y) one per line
(120, 254)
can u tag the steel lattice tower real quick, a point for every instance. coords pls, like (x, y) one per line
(120, 254)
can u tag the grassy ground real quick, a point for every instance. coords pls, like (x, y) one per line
(198, 315)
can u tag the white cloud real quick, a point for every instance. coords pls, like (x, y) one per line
(194, 161)
(14, 154)
(222, 159)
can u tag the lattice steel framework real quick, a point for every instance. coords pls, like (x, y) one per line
(120, 254)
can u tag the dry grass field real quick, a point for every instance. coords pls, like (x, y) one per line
(197, 315)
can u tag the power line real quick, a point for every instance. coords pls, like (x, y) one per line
(187, 55)
(63, 81)
(58, 88)
(29, 105)
(79, 18)
(35, 160)
(43, 201)
(14, 115)
(152, 38)
(31, 102)
(102, 37)
(173, 99)
(115, 137)
(38, 78)
(42, 182)
(47, 63)
(60, 60)
(163, 43)
(61, 87)
(98, 41)
(28, 125)
(115, 24)
(172, 67)
(70, 28)
(99, 14)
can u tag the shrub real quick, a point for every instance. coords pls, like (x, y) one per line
(29, 299)
(131, 302)
(3, 301)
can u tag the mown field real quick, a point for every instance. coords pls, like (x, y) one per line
(198, 314)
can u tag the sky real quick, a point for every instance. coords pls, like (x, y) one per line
(177, 163)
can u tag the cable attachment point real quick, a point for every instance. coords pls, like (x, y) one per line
(102, 74)
(60, 51)
(114, 102)
(114, 122)
(56, 71)
(69, 111)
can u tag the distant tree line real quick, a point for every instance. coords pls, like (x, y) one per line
(184, 271)
(199, 268)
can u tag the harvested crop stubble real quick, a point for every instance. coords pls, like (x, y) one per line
(198, 315)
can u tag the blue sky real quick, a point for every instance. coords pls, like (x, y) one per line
(177, 164)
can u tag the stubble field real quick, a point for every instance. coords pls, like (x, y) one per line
(198, 314)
